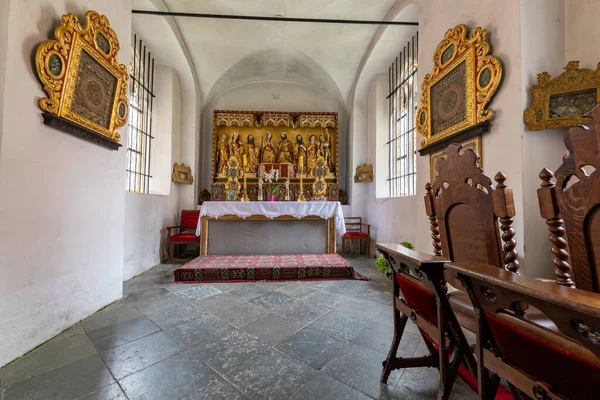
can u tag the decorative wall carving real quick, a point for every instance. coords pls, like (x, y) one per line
(364, 173)
(455, 95)
(85, 83)
(277, 119)
(235, 119)
(562, 101)
(182, 174)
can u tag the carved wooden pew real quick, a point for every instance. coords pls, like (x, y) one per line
(537, 362)
(572, 202)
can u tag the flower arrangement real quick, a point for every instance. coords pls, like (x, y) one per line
(384, 267)
(272, 175)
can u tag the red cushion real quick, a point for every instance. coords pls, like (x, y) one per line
(419, 298)
(184, 237)
(189, 219)
(568, 374)
(355, 234)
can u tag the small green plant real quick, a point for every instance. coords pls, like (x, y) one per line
(382, 264)
(273, 190)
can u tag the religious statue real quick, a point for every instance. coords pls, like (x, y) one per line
(285, 150)
(252, 155)
(326, 150)
(222, 154)
(299, 153)
(312, 153)
(235, 147)
(268, 151)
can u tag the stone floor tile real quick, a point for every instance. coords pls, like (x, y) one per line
(386, 316)
(191, 332)
(322, 387)
(173, 378)
(273, 285)
(169, 310)
(250, 290)
(320, 284)
(138, 284)
(53, 354)
(110, 392)
(115, 335)
(139, 354)
(192, 291)
(231, 309)
(217, 389)
(347, 287)
(76, 329)
(226, 352)
(344, 326)
(360, 368)
(271, 375)
(303, 312)
(360, 307)
(119, 311)
(375, 295)
(146, 294)
(272, 329)
(297, 290)
(376, 336)
(229, 286)
(273, 301)
(324, 298)
(423, 383)
(65, 383)
(312, 347)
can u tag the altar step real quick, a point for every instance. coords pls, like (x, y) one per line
(211, 269)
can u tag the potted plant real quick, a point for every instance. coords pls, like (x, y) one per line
(272, 175)
(383, 265)
(272, 191)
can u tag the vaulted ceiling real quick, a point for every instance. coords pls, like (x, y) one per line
(227, 53)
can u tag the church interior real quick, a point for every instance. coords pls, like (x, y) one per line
(299, 199)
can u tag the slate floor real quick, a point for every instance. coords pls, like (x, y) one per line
(307, 340)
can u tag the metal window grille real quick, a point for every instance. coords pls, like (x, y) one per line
(403, 109)
(139, 138)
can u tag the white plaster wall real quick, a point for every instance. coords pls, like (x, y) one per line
(271, 96)
(148, 215)
(582, 32)
(61, 198)
(3, 43)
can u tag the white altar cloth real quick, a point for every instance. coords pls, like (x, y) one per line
(273, 209)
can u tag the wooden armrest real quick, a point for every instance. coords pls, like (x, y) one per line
(550, 292)
(173, 227)
(410, 256)
(363, 224)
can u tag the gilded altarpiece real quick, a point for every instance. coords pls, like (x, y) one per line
(264, 140)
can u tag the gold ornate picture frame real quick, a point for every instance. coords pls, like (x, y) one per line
(85, 83)
(182, 174)
(464, 78)
(561, 102)
(473, 143)
(364, 173)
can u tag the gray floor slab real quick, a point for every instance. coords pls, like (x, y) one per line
(250, 290)
(110, 392)
(271, 375)
(231, 309)
(272, 329)
(193, 291)
(342, 325)
(173, 378)
(273, 301)
(170, 309)
(297, 290)
(217, 389)
(302, 312)
(324, 298)
(312, 347)
(123, 332)
(139, 354)
(190, 333)
(119, 311)
(69, 382)
(324, 388)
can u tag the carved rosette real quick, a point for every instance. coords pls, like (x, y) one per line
(235, 119)
(482, 79)
(317, 121)
(277, 119)
(573, 80)
(57, 64)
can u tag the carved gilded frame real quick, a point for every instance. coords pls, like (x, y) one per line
(364, 173)
(578, 88)
(182, 174)
(58, 61)
(483, 73)
(473, 144)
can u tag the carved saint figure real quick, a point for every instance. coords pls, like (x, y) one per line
(285, 150)
(299, 152)
(312, 152)
(222, 154)
(235, 147)
(252, 155)
(326, 150)
(268, 151)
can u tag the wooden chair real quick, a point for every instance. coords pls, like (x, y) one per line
(186, 230)
(354, 231)
(466, 215)
(537, 362)
(572, 202)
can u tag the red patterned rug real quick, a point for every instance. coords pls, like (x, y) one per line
(209, 269)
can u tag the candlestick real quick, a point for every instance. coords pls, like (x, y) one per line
(301, 197)
(245, 162)
(245, 196)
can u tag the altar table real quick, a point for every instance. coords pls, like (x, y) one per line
(272, 227)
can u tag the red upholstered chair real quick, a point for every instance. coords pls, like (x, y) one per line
(537, 362)
(186, 230)
(356, 230)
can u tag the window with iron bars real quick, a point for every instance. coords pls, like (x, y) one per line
(403, 109)
(139, 138)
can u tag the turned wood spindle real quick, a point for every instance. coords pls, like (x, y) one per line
(562, 268)
(511, 261)
(434, 226)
